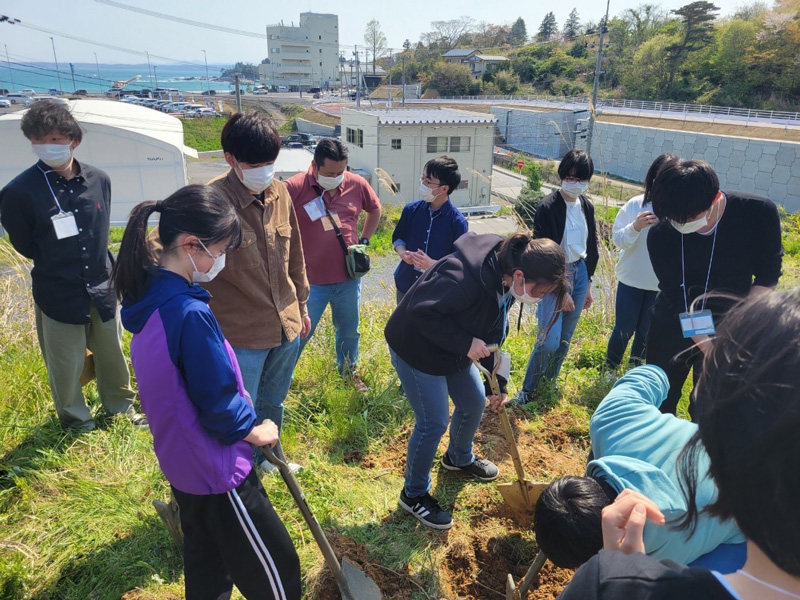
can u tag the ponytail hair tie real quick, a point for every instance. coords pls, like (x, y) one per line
(159, 205)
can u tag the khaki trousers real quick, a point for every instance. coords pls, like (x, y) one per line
(64, 347)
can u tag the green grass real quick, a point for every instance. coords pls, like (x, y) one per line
(75, 512)
(203, 134)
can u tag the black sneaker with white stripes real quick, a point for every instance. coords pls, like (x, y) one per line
(480, 468)
(427, 510)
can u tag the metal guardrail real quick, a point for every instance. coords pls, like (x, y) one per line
(748, 114)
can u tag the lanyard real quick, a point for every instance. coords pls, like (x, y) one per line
(708, 276)
(47, 179)
(430, 226)
(504, 302)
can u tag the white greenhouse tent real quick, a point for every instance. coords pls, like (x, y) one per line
(141, 149)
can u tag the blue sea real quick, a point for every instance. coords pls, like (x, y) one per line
(41, 77)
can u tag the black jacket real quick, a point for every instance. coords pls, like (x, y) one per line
(617, 576)
(551, 218)
(454, 301)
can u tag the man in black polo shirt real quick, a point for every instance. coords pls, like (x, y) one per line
(707, 244)
(57, 214)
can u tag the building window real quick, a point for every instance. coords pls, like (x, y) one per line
(459, 144)
(276, 50)
(355, 137)
(463, 185)
(437, 144)
(397, 144)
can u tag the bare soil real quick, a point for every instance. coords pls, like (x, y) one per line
(474, 560)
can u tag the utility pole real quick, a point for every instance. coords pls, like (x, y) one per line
(155, 74)
(358, 80)
(238, 93)
(149, 70)
(72, 70)
(404, 79)
(208, 80)
(60, 89)
(389, 102)
(10, 72)
(96, 64)
(593, 106)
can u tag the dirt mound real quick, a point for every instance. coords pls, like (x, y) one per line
(394, 585)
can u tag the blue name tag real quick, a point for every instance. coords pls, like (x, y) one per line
(697, 323)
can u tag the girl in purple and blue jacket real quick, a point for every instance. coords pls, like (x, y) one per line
(191, 389)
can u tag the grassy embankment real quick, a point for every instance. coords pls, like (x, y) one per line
(75, 515)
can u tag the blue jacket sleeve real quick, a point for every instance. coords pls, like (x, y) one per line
(629, 410)
(400, 233)
(460, 227)
(211, 379)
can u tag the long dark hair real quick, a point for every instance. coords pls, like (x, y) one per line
(541, 260)
(195, 209)
(659, 163)
(748, 412)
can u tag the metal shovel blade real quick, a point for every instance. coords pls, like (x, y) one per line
(521, 496)
(511, 589)
(361, 586)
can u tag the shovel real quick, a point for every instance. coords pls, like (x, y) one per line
(520, 495)
(518, 593)
(352, 581)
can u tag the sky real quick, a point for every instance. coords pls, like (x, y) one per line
(97, 22)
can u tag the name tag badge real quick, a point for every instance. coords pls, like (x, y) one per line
(326, 222)
(64, 225)
(574, 236)
(314, 209)
(504, 370)
(699, 323)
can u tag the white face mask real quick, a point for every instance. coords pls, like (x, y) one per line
(573, 189)
(524, 297)
(691, 226)
(199, 276)
(257, 179)
(426, 193)
(330, 183)
(53, 155)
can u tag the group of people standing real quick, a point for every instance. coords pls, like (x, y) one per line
(225, 293)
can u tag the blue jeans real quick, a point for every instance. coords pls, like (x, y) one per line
(266, 375)
(632, 320)
(428, 395)
(345, 301)
(549, 352)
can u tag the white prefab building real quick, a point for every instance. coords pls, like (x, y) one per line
(303, 57)
(141, 150)
(394, 144)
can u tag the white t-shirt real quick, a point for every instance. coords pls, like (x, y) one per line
(576, 232)
(634, 268)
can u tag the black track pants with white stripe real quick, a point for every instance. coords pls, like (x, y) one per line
(236, 538)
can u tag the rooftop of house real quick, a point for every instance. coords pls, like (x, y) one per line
(459, 52)
(488, 58)
(429, 116)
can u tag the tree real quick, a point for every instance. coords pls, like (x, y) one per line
(376, 40)
(407, 45)
(449, 34)
(449, 79)
(519, 33)
(572, 27)
(489, 35)
(548, 29)
(698, 24)
(506, 82)
(647, 76)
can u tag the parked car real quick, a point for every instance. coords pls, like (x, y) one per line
(28, 93)
(291, 139)
(260, 91)
(209, 93)
(201, 112)
(4, 102)
(283, 88)
(307, 139)
(80, 93)
(52, 92)
(314, 90)
(20, 99)
(294, 145)
(316, 95)
(4, 92)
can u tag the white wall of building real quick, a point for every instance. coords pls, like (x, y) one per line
(401, 151)
(305, 56)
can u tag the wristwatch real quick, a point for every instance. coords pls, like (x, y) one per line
(364, 241)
